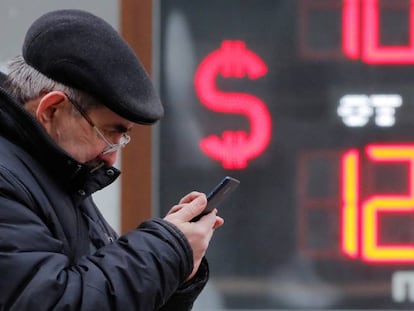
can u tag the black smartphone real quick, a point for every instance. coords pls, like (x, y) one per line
(218, 194)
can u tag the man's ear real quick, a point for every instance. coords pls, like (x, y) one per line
(48, 106)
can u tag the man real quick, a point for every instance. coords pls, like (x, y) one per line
(65, 111)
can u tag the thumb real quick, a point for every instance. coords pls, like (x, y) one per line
(194, 208)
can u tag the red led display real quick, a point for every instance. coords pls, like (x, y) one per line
(310, 104)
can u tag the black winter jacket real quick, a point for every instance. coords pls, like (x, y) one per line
(56, 250)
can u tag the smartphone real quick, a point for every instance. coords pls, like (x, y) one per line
(218, 194)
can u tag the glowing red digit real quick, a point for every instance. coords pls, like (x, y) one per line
(351, 28)
(372, 52)
(361, 34)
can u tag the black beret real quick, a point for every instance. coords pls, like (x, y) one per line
(81, 50)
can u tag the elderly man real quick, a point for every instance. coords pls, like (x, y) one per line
(66, 108)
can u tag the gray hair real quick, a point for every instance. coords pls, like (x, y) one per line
(26, 83)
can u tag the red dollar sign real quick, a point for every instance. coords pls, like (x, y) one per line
(235, 148)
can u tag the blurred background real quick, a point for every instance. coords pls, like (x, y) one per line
(310, 104)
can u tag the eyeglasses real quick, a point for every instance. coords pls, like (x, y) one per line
(110, 147)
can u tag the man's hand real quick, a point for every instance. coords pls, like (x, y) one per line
(197, 233)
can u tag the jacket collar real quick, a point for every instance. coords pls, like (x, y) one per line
(21, 128)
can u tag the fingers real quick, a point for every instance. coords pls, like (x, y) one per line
(190, 197)
(192, 205)
(194, 208)
(214, 223)
(174, 209)
(189, 207)
(219, 222)
(209, 220)
(198, 233)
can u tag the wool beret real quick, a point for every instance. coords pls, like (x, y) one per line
(81, 50)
